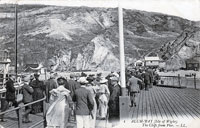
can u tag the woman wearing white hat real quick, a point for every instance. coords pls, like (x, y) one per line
(103, 98)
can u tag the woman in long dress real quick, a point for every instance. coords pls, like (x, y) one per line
(59, 111)
(103, 98)
(93, 89)
(38, 93)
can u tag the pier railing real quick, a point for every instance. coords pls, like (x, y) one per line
(180, 81)
(19, 111)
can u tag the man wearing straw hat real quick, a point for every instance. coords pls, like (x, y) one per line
(84, 104)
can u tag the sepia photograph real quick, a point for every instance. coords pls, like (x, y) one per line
(100, 64)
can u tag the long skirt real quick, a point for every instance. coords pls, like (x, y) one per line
(94, 113)
(58, 113)
(37, 95)
(103, 106)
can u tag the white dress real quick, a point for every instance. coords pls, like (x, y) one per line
(59, 111)
(103, 100)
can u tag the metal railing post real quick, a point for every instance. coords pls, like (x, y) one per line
(44, 113)
(19, 114)
(195, 84)
(179, 80)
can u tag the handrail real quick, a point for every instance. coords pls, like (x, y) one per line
(37, 123)
(22, 106)
(10, 110)
(19, 108)
(34, 102)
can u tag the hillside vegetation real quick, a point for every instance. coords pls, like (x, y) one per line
(87, 38)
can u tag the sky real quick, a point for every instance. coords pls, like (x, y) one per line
(188, 9)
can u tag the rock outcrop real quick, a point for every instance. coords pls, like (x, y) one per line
(87, 38)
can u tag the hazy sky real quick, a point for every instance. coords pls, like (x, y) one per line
(188, 9)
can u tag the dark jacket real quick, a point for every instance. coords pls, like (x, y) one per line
(27, 93)
(50, 84)
(133, 84)
(10, 90)
(72, 86)
(150, 71)
(146, 77)
(84, 101)
(114, 100)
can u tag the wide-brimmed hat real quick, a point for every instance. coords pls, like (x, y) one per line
(103, 81)
(72, 75)
(26, 78)
(99, 74)
(92, 75)
(83, 74)
(37, 74)
(53, 74)
(31, 77)
(77, 75)
(114, 78)
(61, 80)
(90, 78)
(110, 74)
(82, 80)
(115, 74)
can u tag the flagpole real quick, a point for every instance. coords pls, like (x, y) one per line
(124, 99)
(16, 40)
(121, 48)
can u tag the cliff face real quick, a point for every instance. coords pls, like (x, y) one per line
(87, 38)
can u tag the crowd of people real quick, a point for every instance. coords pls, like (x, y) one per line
(89, 97)
(84, 97)
(140, 78)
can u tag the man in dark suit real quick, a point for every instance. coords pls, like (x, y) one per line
(151, 74)
(50, 84)
(72, 84)
(113, 104)
(84, 104)
(10, 95)
(146, 77)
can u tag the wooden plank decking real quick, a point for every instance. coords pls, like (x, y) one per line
(162, 102)
(167, 103)
(12, 121)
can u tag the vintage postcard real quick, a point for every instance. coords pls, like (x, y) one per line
(100, 63)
